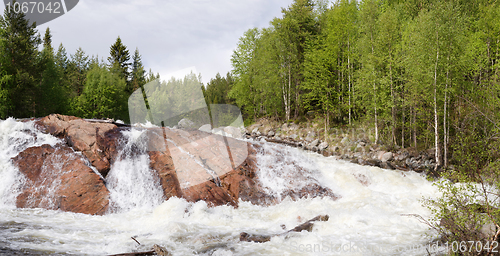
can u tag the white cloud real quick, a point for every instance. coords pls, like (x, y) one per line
(171, 35)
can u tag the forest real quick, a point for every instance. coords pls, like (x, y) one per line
(422, 73)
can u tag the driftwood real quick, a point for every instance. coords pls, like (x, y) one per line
(136, 253)
(308, 225)
(157, 250)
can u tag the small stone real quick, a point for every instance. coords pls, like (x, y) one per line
(323, 146)
(387, 165)
(387, 156)
(256, 132)
(314, 143)
(373, 162)
(205, 128)
(185, 124)
(270, 133)
(233, 132)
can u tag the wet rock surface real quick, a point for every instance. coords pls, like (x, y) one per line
(57, 178)
(190, 164)
(81, 135)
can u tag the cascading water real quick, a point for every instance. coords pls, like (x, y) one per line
(131, 183)
(14, 138)
(279, 169)
(370, 218)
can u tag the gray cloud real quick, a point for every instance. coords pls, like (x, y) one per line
(170, 35)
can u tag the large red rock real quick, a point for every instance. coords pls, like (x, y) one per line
(81, 135)
(57, 178)
(190, 164)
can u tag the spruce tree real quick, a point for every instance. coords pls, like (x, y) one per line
(138, 78)
(20, 50)
(119, 58)
(51, 96)
(77, 71)
(47, 41)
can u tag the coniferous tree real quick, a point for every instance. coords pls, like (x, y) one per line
(138, 76)
(20, 50)
(51, 97)
(5, 103)
(77, 71)
(119, 57)
(47, 41)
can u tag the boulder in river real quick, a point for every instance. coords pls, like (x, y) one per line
(57, 178)
(81, 135)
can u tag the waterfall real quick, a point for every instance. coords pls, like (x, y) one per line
(282, 168)
(14, 138)
(131, 183)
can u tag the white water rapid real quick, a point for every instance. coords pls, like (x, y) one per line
(369, 218)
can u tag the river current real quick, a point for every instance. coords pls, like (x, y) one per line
(375, 214)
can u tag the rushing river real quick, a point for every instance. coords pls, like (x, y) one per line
(370, 218)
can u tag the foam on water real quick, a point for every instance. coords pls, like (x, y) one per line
(14, 138)
(368, 219)
(281, 169)
(130, 181)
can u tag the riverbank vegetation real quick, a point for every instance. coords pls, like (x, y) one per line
(421, 73)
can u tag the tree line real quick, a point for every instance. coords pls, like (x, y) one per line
(424, 73)
(38, 80)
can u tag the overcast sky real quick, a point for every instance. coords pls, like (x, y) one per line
(170, 35)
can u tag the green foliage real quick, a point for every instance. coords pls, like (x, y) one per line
(216, 91)
(170, 101)
(52, 95)
(245, 90)
(103, 95)
(20, 63)
(76, 71)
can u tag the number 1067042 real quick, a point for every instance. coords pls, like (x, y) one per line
(35, 7)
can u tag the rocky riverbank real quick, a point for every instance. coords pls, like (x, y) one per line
(353, 145)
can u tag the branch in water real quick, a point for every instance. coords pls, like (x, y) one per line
(308, 225)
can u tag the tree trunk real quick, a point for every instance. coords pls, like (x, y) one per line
(374, 92)
(414, 124)
(445, 139)
(349, 74)
(393, 110)
(436, 125)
